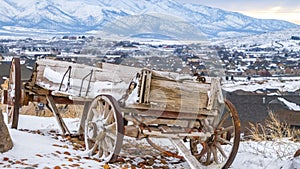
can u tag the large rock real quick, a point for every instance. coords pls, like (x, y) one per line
(5, 139)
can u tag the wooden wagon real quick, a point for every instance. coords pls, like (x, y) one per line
(141, 103)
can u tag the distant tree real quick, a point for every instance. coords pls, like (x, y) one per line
(5, 139)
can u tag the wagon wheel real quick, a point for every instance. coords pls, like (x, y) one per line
(220, 149)
(104, 129)
(14, 93)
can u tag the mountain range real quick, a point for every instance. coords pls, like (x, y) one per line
(135, 18)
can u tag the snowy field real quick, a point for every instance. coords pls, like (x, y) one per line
(38, 144)
(282, 84)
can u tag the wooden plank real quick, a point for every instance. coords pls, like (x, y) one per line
(182, 97)
(142, 108)
(125, 72)
(112, 79)
(192, 161)
(148, 87)
(142, 87)
(154, 120)
(220, 94)
(146, 110)
(212, 94)
(175, 133)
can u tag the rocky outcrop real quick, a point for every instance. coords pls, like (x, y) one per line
(5, 139)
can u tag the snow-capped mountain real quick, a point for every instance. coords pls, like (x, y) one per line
(80, 16)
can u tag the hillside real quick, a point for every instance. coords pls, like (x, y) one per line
(81, 16)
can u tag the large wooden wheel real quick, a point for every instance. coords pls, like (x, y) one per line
(219, 150)
(104, 129)
(14, 93)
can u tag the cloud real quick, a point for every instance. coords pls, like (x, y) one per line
(267, 9)
(247, 5)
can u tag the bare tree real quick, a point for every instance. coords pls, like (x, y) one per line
(5, 139)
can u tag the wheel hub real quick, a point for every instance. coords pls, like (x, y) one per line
(92, 130)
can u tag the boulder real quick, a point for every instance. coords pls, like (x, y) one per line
(5, 139)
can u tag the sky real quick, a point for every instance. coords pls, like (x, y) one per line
(288, 10)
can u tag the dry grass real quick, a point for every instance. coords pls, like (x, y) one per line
(273, 129)
(71, 111)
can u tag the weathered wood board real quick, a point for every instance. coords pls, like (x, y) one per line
(161, 92)
(82, 80)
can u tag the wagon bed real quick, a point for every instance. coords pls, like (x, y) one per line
(161, 91)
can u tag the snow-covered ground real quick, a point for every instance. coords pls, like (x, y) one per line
(37, 144)
(282, 84)
(265, 40)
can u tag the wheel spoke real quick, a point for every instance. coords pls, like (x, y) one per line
(109, 144)
(215, 154)
(100, 152)
(111, 135)
(225, 130)
(224, 141)
(91, 114)
(223, 119)
(94, 148)
(107, 109)
(106, 151)
(111, 127)
(102, 147)
(100, 107)
(219, 147)
(204, 150)
(109, 118)
(208, 156)
(94, 112)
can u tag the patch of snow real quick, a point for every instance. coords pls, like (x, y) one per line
(42, 151)
(290, 105)
(283, 84)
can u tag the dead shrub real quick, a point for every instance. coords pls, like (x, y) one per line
(273, 129)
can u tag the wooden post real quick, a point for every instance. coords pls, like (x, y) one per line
(54, 110)
(86, 108)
